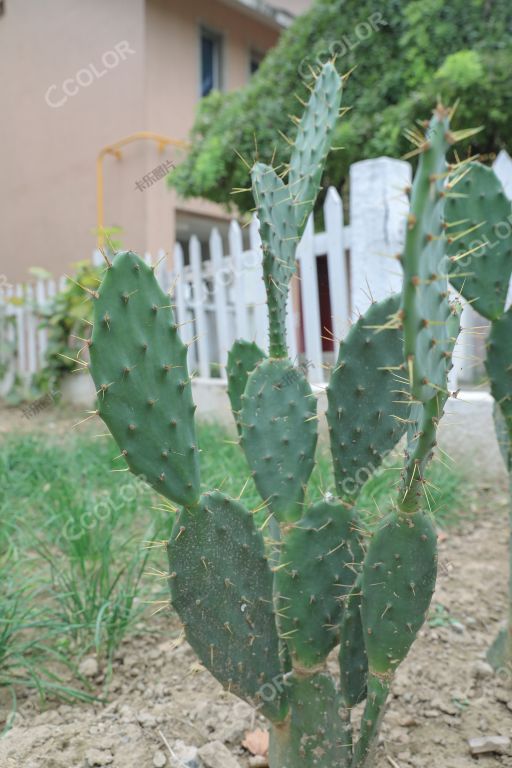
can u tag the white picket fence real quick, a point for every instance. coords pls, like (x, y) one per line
(220, 296)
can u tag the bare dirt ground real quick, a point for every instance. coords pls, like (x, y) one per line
(443, 695)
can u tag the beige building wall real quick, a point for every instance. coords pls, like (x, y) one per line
(77, 75)
(49, 140)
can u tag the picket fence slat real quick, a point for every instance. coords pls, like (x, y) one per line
(336, 268)
(199, 309)
(220, 299)
(258, 298)
(236, 248)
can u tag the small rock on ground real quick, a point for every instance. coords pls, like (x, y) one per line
(88, 667)
(216, 755)
(482, 745)
(98, 757)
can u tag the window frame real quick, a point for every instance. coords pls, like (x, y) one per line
(217, 37)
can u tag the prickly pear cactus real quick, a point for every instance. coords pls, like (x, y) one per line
(479, 226)
(399, 570)
(263, 614)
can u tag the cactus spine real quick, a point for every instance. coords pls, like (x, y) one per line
(481, 252)
(263, 609)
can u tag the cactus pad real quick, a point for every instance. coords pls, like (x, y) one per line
(479, 230)
(283, 209)
(398, 579)
(313, 142)
(139, 367)
(367, 406)
(221, 587)
(319, 556)
(424, 298)
(279, 435)
(353, 657)
(243, 358)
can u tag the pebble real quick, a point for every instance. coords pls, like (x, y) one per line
(482, 670)
(216, 755)
(98, 757)
(88, 667)
(159, 759)
(146, 719)
(482, 745)
(188, 756)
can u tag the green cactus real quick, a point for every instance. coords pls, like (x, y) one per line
(479, 224)
(261, 613)
(283, 209)
(139, 365)
(479, 221)
(499, 368)
(399, 570)
(365, 416)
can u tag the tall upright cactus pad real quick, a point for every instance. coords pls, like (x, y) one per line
(243, 358)
(279, 236)
(313, 143)
(279, 435)
(139, 367)
(499, 368)
(367, 396)
(221, 586)
(283, 208)
(479, 227)
(424, 300)
(310, 590)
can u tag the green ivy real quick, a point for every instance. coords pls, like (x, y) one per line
(419, 50)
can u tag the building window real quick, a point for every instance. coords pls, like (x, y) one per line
(255, 59)
(211, 61)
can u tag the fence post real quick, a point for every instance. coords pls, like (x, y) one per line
(198, 304)
(378, 210)
(237, 256)
(336, 264)
(220, 299)
(502, 167)
(42, 333)
(256, 295)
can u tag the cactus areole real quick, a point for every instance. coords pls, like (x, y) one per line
(264, 606)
